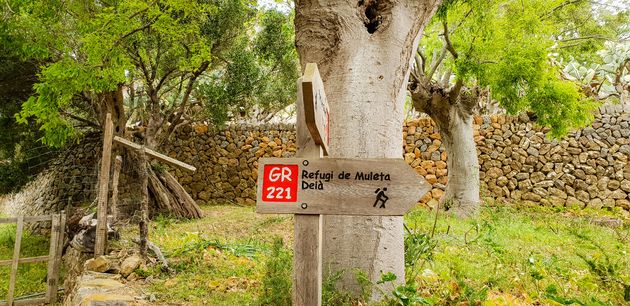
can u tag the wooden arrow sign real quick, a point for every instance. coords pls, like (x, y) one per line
(332, 186)
(313, 98)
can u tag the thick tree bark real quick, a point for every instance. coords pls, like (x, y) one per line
(453, 114)
(363, 50)
(112, 102)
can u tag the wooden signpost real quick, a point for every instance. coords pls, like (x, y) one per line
(310, 186)
(334, 186)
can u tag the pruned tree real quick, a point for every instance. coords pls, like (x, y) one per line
(363, 50)
(498, 48)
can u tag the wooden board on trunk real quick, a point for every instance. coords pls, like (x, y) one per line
(335, 186)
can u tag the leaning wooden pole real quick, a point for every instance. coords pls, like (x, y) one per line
(114, 202)
(103, 186)
(144, 206)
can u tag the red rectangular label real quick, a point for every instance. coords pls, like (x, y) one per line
(280, 183)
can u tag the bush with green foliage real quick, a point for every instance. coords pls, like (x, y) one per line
(162, 54)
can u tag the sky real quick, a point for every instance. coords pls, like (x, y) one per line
(283, 6)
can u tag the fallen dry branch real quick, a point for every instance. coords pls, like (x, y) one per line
(184, 205)
(158, 253)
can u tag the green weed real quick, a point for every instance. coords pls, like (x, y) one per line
(249, 249)
(332, 295)
(276, 284)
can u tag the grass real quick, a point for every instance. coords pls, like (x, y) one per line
(220, 259)
(31, 278)
(509, 255)
(506, 256)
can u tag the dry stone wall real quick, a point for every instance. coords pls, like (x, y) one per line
(588, 168)
(227, 160)
(68, 182)
(518, 162)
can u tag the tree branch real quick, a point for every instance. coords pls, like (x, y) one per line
(559, 7)
(186, 98)
(582, 38)
(437, 63)
(446, 78)
(163, 79)
(154, 68)
(420, 58)
(134, 31)
(453, 94)
(81, 119)
(447, 40)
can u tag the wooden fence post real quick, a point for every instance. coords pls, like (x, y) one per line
(60, 243)
(16, 258)
(54, 257)
(52, 254)
(144, 205)
(114, 202)
(103, 187)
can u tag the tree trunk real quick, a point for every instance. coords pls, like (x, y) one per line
(462, 191)
(452, 112)
(112, 102)
(363, 50)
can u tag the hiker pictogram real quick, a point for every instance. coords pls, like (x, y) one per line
(380, 197)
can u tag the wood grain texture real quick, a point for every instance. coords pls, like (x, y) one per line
(144, 204)
(52, 253)
(53, 283)
(37, 301)
(26, 219)
(312, 96)
(307, 258)
(307, 262)
(114, 201)
(155, 155)
(350, 195)
(100, 244)
(16, 258)
(25, 260)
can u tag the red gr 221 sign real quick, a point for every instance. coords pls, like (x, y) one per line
(280, 183)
